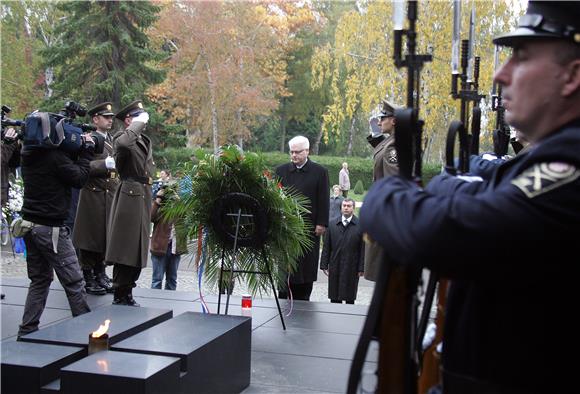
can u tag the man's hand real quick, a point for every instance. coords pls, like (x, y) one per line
(319, 230)
(142, 117)
(110, 163)
(10, 134)
(89, 142)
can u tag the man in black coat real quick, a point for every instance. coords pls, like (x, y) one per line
(343, 255)
(310, 179)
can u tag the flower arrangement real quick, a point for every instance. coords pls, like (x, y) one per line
(212, 177)
(15, 200)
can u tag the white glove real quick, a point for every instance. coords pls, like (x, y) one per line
(488, 156)
(472, 178)
(142, 117)
(110, 163)
(374, 128)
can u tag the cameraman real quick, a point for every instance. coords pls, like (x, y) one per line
(96, 198)
(49, 175)
(10, 160)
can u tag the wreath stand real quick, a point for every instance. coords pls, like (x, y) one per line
(240, 221)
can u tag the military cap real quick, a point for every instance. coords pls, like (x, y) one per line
(387, 109)
(546, 20)
(133, 109)
(101, 109)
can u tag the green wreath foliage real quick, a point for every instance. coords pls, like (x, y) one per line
(288, 235)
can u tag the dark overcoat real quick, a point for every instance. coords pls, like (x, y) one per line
(343, 257)
(335, 207)
(131, 210)
(312, 181)
(94, 205)
(385, 164)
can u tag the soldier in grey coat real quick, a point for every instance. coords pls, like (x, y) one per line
(128, 244)
(385, 164)
(94, 206)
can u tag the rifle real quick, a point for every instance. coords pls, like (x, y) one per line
(393, 310)
(501, 132)
(468, 93)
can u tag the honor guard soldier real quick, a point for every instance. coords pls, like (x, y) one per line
(94, 206)
(507, 320)
(128, 243)
(385, 164)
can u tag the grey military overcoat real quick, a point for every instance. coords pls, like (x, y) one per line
(94, 207)
(385, 164)
(131, 210)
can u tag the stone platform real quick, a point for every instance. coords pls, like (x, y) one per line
(313, 355)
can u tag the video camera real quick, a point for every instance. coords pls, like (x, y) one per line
(57, 130)
(7, 122)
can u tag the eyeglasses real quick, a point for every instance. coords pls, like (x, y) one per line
(296, 152)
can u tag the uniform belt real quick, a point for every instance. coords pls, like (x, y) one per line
(140, 179)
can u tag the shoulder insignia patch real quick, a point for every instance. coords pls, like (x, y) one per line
(545, 177)
(392, 156)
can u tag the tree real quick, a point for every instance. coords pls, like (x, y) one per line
(23, 22)
(361, 71)
(104, 52)
(227, 68)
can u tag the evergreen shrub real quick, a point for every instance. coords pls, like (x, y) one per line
(360, 169)
(359, 188)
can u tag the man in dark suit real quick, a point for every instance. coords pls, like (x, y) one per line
(128, 243)
(310, 179)
(343, 255)
(94, 206)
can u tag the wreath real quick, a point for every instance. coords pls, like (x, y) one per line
(274, 218)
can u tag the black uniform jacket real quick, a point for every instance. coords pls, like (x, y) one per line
(312, 181)
(510, 246)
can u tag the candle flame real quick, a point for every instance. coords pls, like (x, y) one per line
(103, 328)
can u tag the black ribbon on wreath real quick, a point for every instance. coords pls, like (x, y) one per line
(239, 220)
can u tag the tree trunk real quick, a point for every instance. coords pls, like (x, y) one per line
(316, 146)
(212, 102)
(283, 125)
(351, 136)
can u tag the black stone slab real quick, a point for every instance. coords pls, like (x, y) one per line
(297, 373)
(26, 367)
(16, 295)
(305, 342)
(214, 350)
(166, 294)
(296, 305)
(24, 282)
(119, 372)
(322, 321)
(125, 321)
(12, 317)
(51, 388)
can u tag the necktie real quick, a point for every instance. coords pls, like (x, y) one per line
(345, 222)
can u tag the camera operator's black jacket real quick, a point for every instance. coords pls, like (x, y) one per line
(48, 176)
(10, 156)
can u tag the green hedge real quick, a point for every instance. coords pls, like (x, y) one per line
(359, 168)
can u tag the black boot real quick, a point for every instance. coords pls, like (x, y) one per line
(91, 285)
(131, 301)
(102, 282)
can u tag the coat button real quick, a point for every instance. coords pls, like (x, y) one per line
(130, 191)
